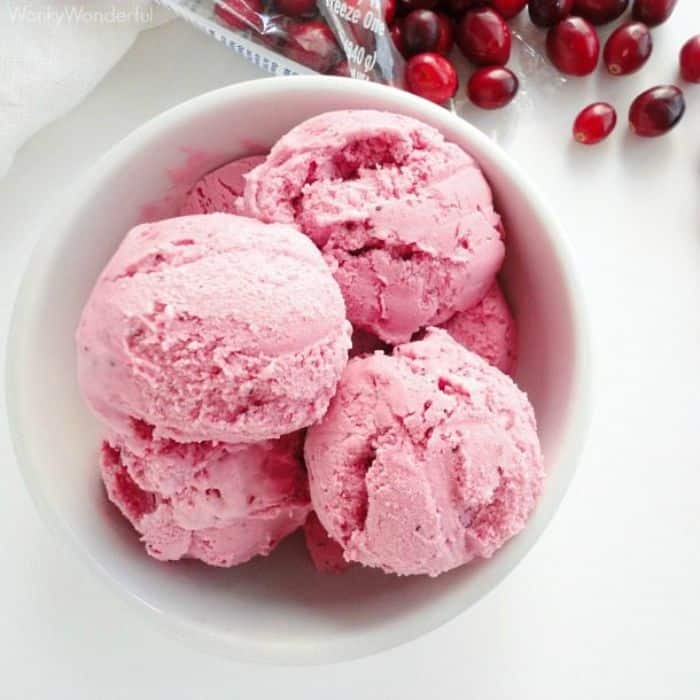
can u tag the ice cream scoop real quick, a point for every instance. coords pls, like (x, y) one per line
(426, 459)
(220, 190)
(488, 329)
(213, 327)
(405, 218)
(243, 500)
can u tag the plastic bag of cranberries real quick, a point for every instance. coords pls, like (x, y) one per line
(473, 56)
(286, 37)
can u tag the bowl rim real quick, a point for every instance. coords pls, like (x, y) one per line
(427, 619)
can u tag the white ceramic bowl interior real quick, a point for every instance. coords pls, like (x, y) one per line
(278, 608)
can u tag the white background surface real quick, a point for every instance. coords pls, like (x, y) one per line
(606, 605)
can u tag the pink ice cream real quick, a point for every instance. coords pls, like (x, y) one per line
(223, 504)
(241, 535)
(405, 218)
(425, 460)
(219, 190)
(213, 327)
(488, 329)
(325, 553)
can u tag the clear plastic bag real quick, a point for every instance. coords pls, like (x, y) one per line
(334, 37)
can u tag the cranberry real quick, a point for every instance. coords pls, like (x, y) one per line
(389, 11)
(653, 12)
(294, 8)
(396, 34)
(342, 69)
(595, 123)
(628, 48)
(240, 14)
(421, 31)
(657, 111)
(508, 8)
(313, 44)
(447, 35)
(432, 76)
(546, 13)
(600, 11)
(573, 46)
(484, 37)
(690, 60)
(492, 87)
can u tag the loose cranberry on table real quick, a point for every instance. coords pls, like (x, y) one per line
(573, 46)
(690, 60)
(240, 14)
(484, 37)
(492, 87)
(547, 13)
(628, 48)
(595, 123)
(294, 8)
(508, 8)
(653, 12)
(389, 11)
(312, 44)
(657, 111)
(600, 11)
(421, 31)
(432, 76)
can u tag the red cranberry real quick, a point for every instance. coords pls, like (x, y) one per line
(432, 76)
(653, 12)
(421, 31)
(595, 123)
(657, 111)
(546, 13)
(573, 46)
(389, 11)
(628, 48)
(492, 87)
(294, 8)
(508, 8)
(342, 69)
(600, 11)
(240, 14)
(484, 37)
(447, 35)
(313, 44)
(690, 60)
(396, 34)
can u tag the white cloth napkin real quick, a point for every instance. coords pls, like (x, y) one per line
(54, 52)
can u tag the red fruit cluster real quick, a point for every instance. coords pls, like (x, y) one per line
(425, 31)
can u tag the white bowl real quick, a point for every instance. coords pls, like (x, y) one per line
(275, 609)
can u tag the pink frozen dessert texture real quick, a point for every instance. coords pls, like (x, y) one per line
(425, 460)
(405, 218)
(223, 504)
(220, 190)
(213, 327)
(326, 554)
(488, 329)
